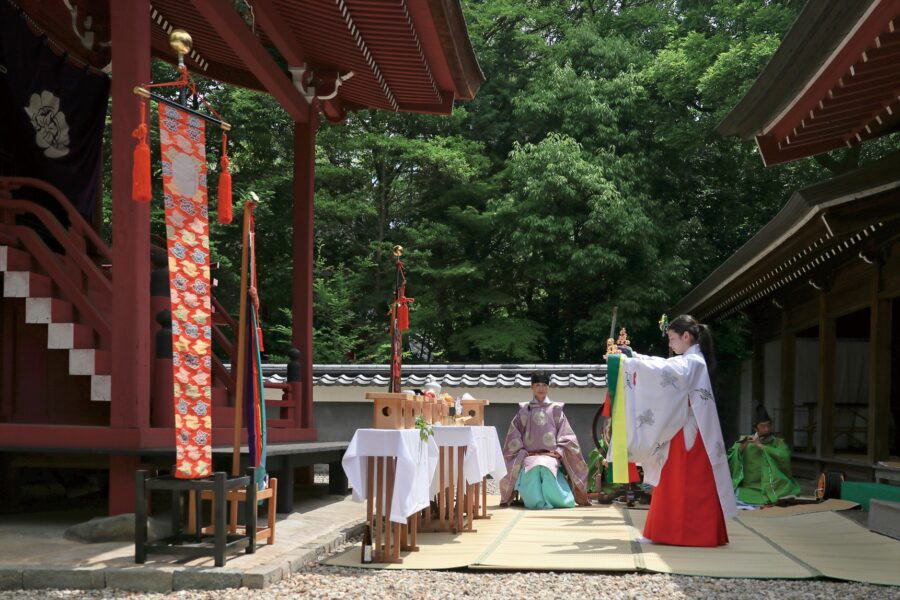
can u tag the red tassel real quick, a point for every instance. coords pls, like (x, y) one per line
(225, 210)
(403, 316)
(140, 174)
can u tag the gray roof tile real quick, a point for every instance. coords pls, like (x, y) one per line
(453, 375)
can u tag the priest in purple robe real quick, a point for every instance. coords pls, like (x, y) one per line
(544, 464)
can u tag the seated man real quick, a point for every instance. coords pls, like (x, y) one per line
(539, 445)
(761, 464)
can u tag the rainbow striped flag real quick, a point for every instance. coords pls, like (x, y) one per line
(254, 397)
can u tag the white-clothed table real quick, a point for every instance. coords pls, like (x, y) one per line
(484, 455)
(417, 461)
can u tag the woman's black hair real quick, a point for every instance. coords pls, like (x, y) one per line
(702, 335)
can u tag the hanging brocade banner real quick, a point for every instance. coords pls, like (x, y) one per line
(183, 158)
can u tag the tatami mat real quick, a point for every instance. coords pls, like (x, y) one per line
(603, 538)
(745, 555)
(834, 546)
(443, 550)
(830, 505)
(577, 539)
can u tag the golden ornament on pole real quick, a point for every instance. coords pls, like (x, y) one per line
(181, 42)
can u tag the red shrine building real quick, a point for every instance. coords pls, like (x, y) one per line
(820, 283)
(81, 381)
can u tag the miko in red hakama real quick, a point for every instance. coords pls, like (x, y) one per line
(685, 508)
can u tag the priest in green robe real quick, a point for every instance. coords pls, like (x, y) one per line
(761, 465)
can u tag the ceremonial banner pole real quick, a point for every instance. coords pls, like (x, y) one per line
(399, 315)
(242, 342)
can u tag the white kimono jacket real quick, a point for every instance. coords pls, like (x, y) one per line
(663, 396)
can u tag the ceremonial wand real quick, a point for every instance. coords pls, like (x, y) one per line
(399, 315)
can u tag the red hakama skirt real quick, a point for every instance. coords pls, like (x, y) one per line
(685, 509)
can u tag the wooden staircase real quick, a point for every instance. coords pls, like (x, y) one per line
(64, 332)
(70, 294)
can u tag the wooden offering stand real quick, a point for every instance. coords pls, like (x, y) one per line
(390, 411)
(388, 537)
(458, 504)
(475, 409)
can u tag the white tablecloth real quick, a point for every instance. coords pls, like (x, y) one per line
(484, 456)
(417, 462)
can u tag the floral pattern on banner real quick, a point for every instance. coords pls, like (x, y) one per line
(183, 154)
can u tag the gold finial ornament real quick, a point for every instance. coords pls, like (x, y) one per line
(181, 42)
(398, 251)
(612, 346)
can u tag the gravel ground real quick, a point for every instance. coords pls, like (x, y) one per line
(333, 582)
(326, 582)
(321, 581)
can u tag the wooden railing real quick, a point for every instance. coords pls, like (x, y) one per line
(74, 273)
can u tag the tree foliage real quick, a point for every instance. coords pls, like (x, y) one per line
(586, 174)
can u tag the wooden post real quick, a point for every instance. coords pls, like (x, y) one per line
(303, 247)
(379, 514)
(460, 488)
(880, 328)
(130, 369)
(242, 343)
(788, 366)
(825, 406)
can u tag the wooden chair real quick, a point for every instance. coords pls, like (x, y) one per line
(233, 499)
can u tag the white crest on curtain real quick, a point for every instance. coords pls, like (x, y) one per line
(49, 122)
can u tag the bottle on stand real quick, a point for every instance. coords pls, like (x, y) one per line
(366, 557)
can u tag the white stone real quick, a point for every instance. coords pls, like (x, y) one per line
(82, 361)
(101, 388)
(60, 336)
(37, 310)
(15, 284)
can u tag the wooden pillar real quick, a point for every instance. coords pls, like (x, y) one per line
(121, 483)
(880, 328)
(788, 366)
(130, 23)
(825, 406)
(303, 248)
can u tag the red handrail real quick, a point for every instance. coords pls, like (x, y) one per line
(73, 290)
(77, 222)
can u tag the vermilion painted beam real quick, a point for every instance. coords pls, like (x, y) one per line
(814, 126)
(285, 39)
(235, 32)
(875, 119)
(773, 155)
(841, 108)
(278, 31)
(856, 93)
(21, 436)
(862, 39)
(130, 25)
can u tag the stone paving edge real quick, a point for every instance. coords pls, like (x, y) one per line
(142, 578)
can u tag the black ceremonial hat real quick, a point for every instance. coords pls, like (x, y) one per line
(762, 415)
(540, 377)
